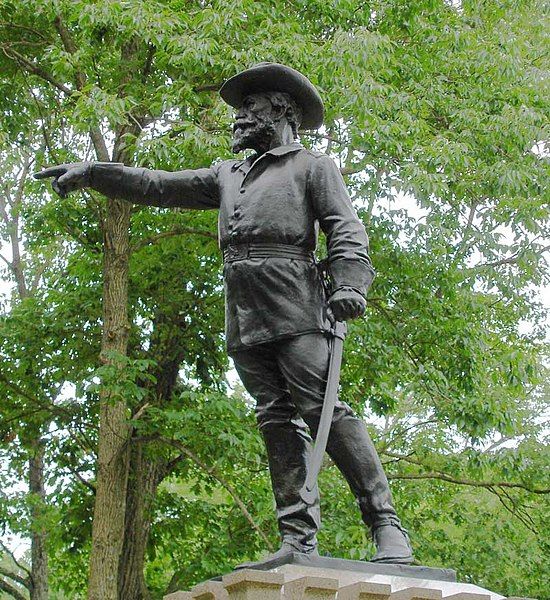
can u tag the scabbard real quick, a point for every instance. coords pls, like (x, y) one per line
(308, 491)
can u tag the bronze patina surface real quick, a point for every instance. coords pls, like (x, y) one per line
(278, 312)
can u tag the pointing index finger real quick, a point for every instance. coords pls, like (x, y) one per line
(51, 172)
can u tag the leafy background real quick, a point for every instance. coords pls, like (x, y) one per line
(437, 114)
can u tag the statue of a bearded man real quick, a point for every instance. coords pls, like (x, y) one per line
(278, 314)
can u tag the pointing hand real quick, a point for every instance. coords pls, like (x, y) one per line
(67, 177)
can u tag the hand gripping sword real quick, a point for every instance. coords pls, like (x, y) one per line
(308, 492)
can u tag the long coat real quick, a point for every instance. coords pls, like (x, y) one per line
(280, 197)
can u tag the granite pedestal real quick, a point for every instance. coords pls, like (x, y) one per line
(299, 577)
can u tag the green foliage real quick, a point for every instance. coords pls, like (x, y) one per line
(121, 378)
(433, 110)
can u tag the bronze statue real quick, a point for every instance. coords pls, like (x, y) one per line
(278, 316)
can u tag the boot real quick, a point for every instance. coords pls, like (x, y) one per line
(288, 447)
(392, 544)
(353, 452)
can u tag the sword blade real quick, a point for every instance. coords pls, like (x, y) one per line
(331, 394)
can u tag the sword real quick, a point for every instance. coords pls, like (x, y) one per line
(308, 493)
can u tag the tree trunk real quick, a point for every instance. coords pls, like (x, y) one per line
(38, 588)
(114, 431)
(167, 348)
(145, 475)
(39, 553)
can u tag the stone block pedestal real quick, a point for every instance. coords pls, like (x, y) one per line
(299, 577)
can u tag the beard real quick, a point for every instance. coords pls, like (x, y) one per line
(256, 135)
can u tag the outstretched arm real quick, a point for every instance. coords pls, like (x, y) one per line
(191, 188)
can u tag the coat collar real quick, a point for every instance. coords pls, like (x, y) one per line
(245, 164)
(282, 150)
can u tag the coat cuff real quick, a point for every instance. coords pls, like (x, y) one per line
(351, 273)
(106, 178)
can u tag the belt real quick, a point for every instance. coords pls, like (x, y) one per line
(243, 251)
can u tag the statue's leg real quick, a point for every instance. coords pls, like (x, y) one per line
(303, 361)
(288, 446)
(351, 448)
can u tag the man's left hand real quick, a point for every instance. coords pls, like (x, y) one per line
(347, 303)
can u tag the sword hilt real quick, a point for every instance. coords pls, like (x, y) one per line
(340, 330)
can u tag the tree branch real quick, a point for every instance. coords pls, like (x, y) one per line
(43, 119)
(39, 271)
(351, 170)
(2, 257)
(70, 47)
(24, 581)
(95, 133)
(11, 590)
(148, 63)
(462, 247)
(17, 265)
(409, 351)
(402, 432)
(4, 211)
(527, 521)
(129, 52)
(99, 144)
(35, 69)
(42, 406)
(12, 556)
(212, 471)
(509, 260)
(18, 390)
(24, 28)
(502, 440)
(82, 480)
(212, 87)
(96, 136)
(173, 232)
(172, 464)
(469, 482)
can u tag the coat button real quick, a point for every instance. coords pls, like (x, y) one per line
(242, 191)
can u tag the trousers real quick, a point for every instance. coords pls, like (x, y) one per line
(287, 379)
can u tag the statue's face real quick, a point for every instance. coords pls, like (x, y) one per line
(254, 124)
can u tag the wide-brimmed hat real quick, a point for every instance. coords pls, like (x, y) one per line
(274, 77)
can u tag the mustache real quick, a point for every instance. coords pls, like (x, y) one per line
(244, 124)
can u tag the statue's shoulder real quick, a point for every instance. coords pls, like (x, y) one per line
(226, 164)
(317, 161)
(315, 154)
(223, 168)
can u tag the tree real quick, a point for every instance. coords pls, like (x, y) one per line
(15, 171)
(437, 102)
